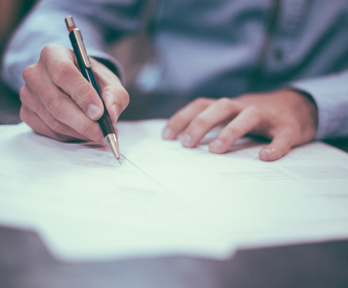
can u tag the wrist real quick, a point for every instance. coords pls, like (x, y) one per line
(308, 104)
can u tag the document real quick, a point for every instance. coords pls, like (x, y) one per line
(165, 199)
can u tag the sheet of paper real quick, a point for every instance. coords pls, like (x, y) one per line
(167, 199)
(301, 197)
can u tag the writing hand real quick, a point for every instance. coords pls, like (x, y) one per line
(285, 116)
(57, 101)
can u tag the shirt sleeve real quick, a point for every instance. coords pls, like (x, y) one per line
(101, 21)
(330, 94)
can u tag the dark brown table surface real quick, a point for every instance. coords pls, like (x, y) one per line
(26, 263)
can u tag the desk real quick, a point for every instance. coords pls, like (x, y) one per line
(25, 262)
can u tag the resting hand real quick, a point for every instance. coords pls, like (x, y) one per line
(285, 116)
(57, 101)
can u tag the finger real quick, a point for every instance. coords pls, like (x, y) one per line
(36, 123)
(246, 121)
(114, 95)
(60, 105)
(181, 119)
(217, 112)
(64, 74)
(33, 103)
(280, 145)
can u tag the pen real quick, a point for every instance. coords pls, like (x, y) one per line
(86, 70)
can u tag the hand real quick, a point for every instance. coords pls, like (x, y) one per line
(57, 101)
(285, 116)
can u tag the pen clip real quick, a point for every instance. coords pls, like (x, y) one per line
(82, 48)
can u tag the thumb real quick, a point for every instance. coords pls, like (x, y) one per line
(279, 146)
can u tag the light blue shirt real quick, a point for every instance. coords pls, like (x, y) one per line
(210, 48)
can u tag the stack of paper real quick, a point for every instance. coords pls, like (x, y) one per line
(167, 199)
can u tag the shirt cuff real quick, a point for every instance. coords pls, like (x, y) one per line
(109, 62)
(330, 94)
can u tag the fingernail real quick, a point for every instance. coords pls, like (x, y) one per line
(216, 145)
(268, 151)
(167, 132)
(186, 140)
(117, 111)
(93, 111)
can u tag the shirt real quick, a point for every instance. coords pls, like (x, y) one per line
(210, 48)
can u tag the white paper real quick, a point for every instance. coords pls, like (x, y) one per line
(168, 199)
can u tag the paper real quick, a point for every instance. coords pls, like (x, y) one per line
(167, 199)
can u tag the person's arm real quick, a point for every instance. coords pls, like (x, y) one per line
(310, 109)
(56, 100)
(330, 94)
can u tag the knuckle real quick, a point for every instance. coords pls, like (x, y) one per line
(200, 122)
(39, 110)
(56, 107)
(232, 130)
(51, 58)
(47, 51)
(226, 104)
(118, 95)
(86, 130)
(257, 113)
(83, 92)
(124, 96)
(255, 110)
(200, 102)
(61, 72)
(22, 93)
(28, 73)
(55, 125)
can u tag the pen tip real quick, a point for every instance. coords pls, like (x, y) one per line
(113, 144)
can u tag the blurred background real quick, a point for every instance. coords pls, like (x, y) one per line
(11, 13)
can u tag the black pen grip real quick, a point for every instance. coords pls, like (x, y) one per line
(105, 124)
